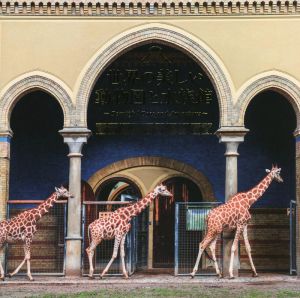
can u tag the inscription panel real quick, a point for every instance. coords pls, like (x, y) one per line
(153, 89)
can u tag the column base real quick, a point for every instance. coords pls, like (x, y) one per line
(73, 257)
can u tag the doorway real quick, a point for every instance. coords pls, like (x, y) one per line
(183, 190)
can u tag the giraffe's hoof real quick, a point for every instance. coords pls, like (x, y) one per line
(231, 277)
(101, 277)
(254, 274)
(9, 275)
(192, 275)
(91, 277)
(220, 275)
(30, 278)
(2, 278)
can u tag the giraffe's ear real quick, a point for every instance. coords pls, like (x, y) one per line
(268, 171)
(56, 189)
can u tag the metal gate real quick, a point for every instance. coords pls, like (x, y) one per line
(190, 224)
(90, 212)
(48, 246)
(293, 217)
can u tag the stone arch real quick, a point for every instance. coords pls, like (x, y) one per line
(186, 170)
(136, 182)
(164, 34)
(276, 81)
(31, 82)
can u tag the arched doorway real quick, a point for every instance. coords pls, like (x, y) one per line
(272, 121)
(38, 164)
(183, 190)
(118, 189)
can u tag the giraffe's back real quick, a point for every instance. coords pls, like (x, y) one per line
(106, 228)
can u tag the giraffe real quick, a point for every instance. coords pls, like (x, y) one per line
(234, 215)
(117, 225)
(23, 226)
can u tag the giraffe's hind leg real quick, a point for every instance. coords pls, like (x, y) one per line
(26, 259)
(203, 244)
(122, 254)
(90, 252)
(248, 249)
(212, 247)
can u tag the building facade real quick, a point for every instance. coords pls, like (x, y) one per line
(150, 92)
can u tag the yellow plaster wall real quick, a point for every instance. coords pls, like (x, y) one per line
(63, 46)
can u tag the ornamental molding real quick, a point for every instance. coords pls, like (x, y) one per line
(149, 8)
(164, 34)
(29, 83)
(288, 87)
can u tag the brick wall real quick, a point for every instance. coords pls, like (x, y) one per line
(47, 249)
(268, 233)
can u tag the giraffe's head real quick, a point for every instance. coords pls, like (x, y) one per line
(62, 193)
(275, 173)
(162, 190)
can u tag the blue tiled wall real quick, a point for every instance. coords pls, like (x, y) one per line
(37, 165)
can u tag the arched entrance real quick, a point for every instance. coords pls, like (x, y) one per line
(144, 173)
(183, 190)
(118, 189)
(272, 121)
(140, 105)
(37, 165)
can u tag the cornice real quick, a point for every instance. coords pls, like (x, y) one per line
(147, 8)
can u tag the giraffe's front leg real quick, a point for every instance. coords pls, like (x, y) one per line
(213, 252)
(115, 253)
(122, 254)
(1, 268)
(233, 249)
(27, 257)
(202, 245)
(248, 249)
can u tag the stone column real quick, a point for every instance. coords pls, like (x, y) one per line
(75, 138)
(5, 138)
(232, 137)
(297, 139)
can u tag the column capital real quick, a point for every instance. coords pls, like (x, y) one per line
(75, 137)
(231, 134)
(297, 135)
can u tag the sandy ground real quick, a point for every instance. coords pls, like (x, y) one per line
(19, 287)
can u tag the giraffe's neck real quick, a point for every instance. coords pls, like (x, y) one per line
(44, 207)
(140, 205)
(256, 192)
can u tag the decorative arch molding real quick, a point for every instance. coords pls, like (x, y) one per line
(164, 34)
(277, 81)
(30, 82)
(187, 171)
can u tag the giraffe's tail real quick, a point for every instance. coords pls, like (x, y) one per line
(89, 237)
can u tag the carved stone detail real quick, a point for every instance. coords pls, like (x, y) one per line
(28, 84)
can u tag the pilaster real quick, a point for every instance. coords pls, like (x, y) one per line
(297, 164)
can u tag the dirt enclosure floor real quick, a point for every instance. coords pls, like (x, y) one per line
(163, 285)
